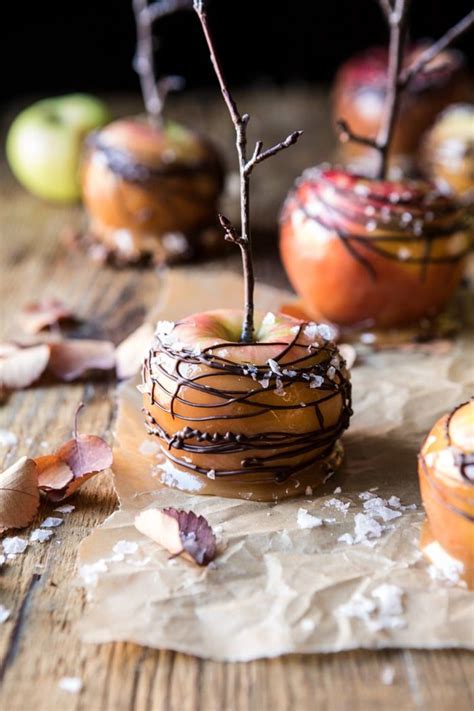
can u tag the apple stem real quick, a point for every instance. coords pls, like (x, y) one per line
(246, 166)
(154, 91)
(398, 77)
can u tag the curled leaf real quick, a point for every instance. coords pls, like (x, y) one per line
(70, 359)
(130, 354)
(20, 367)
(180, 532)
(38, 315)
(76, 461)
(19, 495)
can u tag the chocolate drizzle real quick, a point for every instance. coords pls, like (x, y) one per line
(385, 214)
(464, 460)
(263, 453)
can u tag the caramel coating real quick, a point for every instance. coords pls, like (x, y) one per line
(151, 191)
(233, 424)
(372, 253)
(446, 473)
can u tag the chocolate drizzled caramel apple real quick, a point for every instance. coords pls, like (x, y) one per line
(368, 251)
(372, 252)
(447, 152)
(245, 405)
(151, 186)
(446, 471)
(257, 420)
(360, 91)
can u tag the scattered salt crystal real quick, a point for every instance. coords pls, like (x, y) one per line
(307, 520)
(44, 444)
(268, 319)
(366, 527)
(211, 474)
(307, 625)
(389, 599)
(359, 607)
(142, 388)
(331, 372)
(329, 520)
(337, 490)
(338, 504)
(265, 382)
(388, 675)
(89, 572)
(325, 331)
(14, 545)
(290, 373)
(164, 328)
(382, 611)
(308, 491)
(394, 502)
(376, 507)
(445, 568)
(7, 438)
(302, 404)
(4, 614)
(66, 508)
(365, 495)
(52, 522)
(125, 547)
(2, 559)
(316, 381)
(311, 330)
(71, 684)
(39, 535)
(279, 389)
(346, 538)
(274, 366)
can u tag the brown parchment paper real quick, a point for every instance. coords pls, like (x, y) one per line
(277, 588)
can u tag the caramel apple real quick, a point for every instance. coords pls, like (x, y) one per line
(366, 252)
(245, 405)
(360, 90)
(446, 471)
(258, 420)
(151, 191)
(447, 153)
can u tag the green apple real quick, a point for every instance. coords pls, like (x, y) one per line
(45, 140)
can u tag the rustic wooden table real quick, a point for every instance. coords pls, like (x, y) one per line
(39, 643)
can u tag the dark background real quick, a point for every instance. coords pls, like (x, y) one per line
(54, 47)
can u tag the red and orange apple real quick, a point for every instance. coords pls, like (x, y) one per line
(360, 90)
(372, 253)
(151, 191)
(446, 471)
(258, 420)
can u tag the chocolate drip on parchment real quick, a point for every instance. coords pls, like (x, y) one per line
(226, 439)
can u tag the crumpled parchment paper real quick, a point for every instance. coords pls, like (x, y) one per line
(276, 587)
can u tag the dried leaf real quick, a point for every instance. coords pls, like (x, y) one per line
(53, 473)
(38, 315)
(19, 495)
(72, 358)
(130, 354)
(19, 367)
(76, 461)
(180, 532)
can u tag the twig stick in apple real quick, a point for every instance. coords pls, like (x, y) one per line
(246, 166)
(154, 91)
(398, 77)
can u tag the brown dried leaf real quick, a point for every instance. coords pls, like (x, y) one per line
(38, 315)
(53, 473)
(19, 367)
(72, 358)
(129, 354)
(19, 495)
(179, 532)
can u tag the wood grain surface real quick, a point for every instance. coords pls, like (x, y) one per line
(39, 642)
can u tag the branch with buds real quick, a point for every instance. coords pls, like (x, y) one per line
(246, 166)
(398, 78)
(154, 91)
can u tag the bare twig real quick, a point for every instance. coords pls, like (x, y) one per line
(346, 134)
(154, 92)
(439, 46)
(240, 121)
(387, 8)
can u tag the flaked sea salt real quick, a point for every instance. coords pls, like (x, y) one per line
(337, 490)
(90, 571)
(14, 545)
(308, 491)
(164, 328)
(52, 522)
(389, 599)
(274, 366)
(366, 527)
(65, 508)
(339, 505)
(4, 614)
(325, 331)
(39, 535)
(289, 372)
(211, 474)
(71, 684)
(316, 381)
(387, 676)
(125, 547)
(268, 319)
(376, 507)
(346, 538)
(7, 438)
(307, 625)
(307, 520)
(265, 382)
(445, 568)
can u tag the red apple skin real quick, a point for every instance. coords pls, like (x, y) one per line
(447, 497)
(266, 413)
(383, 292)
(359, 92)
(171, 185)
